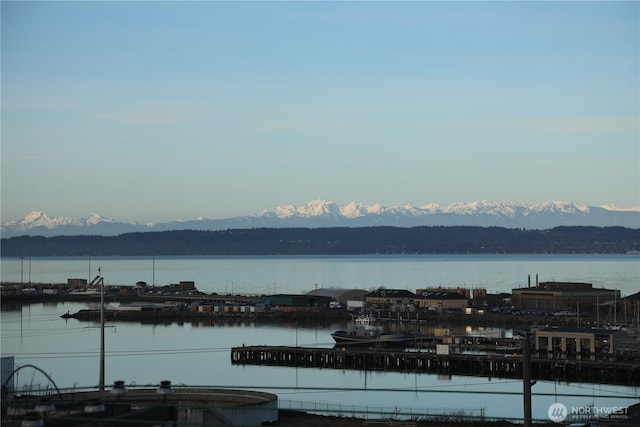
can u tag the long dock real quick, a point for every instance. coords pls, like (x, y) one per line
(488, 365)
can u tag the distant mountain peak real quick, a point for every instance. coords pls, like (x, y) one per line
(33, 216)
(41, 219)
(322, 213)
(95, 218)
(313, 208)
(38, 220)
(617, 208)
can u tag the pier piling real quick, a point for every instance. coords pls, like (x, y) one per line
(486, 365)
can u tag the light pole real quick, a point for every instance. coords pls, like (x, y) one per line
(101, 381)
(526, 375)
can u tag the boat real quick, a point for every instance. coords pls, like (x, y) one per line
(365, 331)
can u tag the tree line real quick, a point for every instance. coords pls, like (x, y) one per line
(335, 241)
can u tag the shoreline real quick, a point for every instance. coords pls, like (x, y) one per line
(300, 315)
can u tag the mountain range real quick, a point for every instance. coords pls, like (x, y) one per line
(322, 213)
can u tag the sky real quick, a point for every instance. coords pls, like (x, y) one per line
(154, 111)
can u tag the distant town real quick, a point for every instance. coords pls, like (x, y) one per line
(556, 304)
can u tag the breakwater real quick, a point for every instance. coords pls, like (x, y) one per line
(489, 365)
(395, 322)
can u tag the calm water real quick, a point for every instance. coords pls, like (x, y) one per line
(290, 274)
(192, 354)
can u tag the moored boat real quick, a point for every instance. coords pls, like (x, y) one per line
(365, 331)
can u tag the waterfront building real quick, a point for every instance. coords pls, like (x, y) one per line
(465, 292)
(630, 310)
(439, 300)
(390, 297)
(76, 282)
(295, 300)
(568, 296)
(186, 285)
(343, 296)
(580, 343)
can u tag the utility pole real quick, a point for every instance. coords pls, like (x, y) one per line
(101, 381)
(526, 378)
(526, 375)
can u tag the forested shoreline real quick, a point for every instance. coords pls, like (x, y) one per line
(335, 241)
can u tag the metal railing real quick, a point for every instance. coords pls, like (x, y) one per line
(372, 412)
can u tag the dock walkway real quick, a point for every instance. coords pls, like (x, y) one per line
(490, 365)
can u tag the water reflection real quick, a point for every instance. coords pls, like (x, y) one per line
(199, 354)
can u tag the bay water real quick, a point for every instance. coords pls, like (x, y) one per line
(199, 354)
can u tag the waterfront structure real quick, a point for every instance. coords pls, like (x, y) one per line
(77, 282)
(185, 286)
(465, 292)
(482, 365)
(477, 294)
(630, 311)
(343, 296)
(580, 343)
(123, 405)
(568, 296)
(389, 298)
(295, 300)
(441, 300)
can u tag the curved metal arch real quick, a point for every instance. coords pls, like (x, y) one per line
(4, 385)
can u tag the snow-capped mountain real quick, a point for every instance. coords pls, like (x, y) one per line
(40, 223)
(36, 219)
(322, 213)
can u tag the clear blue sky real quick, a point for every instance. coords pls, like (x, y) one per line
(152, 111)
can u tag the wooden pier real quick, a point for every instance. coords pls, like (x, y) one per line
(488, 365)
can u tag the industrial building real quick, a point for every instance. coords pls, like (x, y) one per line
(294, 300)
(568, 296)
(580, 343)
(343, 296)
(441, 300)
(389, 297)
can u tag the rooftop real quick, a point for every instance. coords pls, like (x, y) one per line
(441, 295)
(391, 293)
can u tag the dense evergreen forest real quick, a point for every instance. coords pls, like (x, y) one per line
(335, 241)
